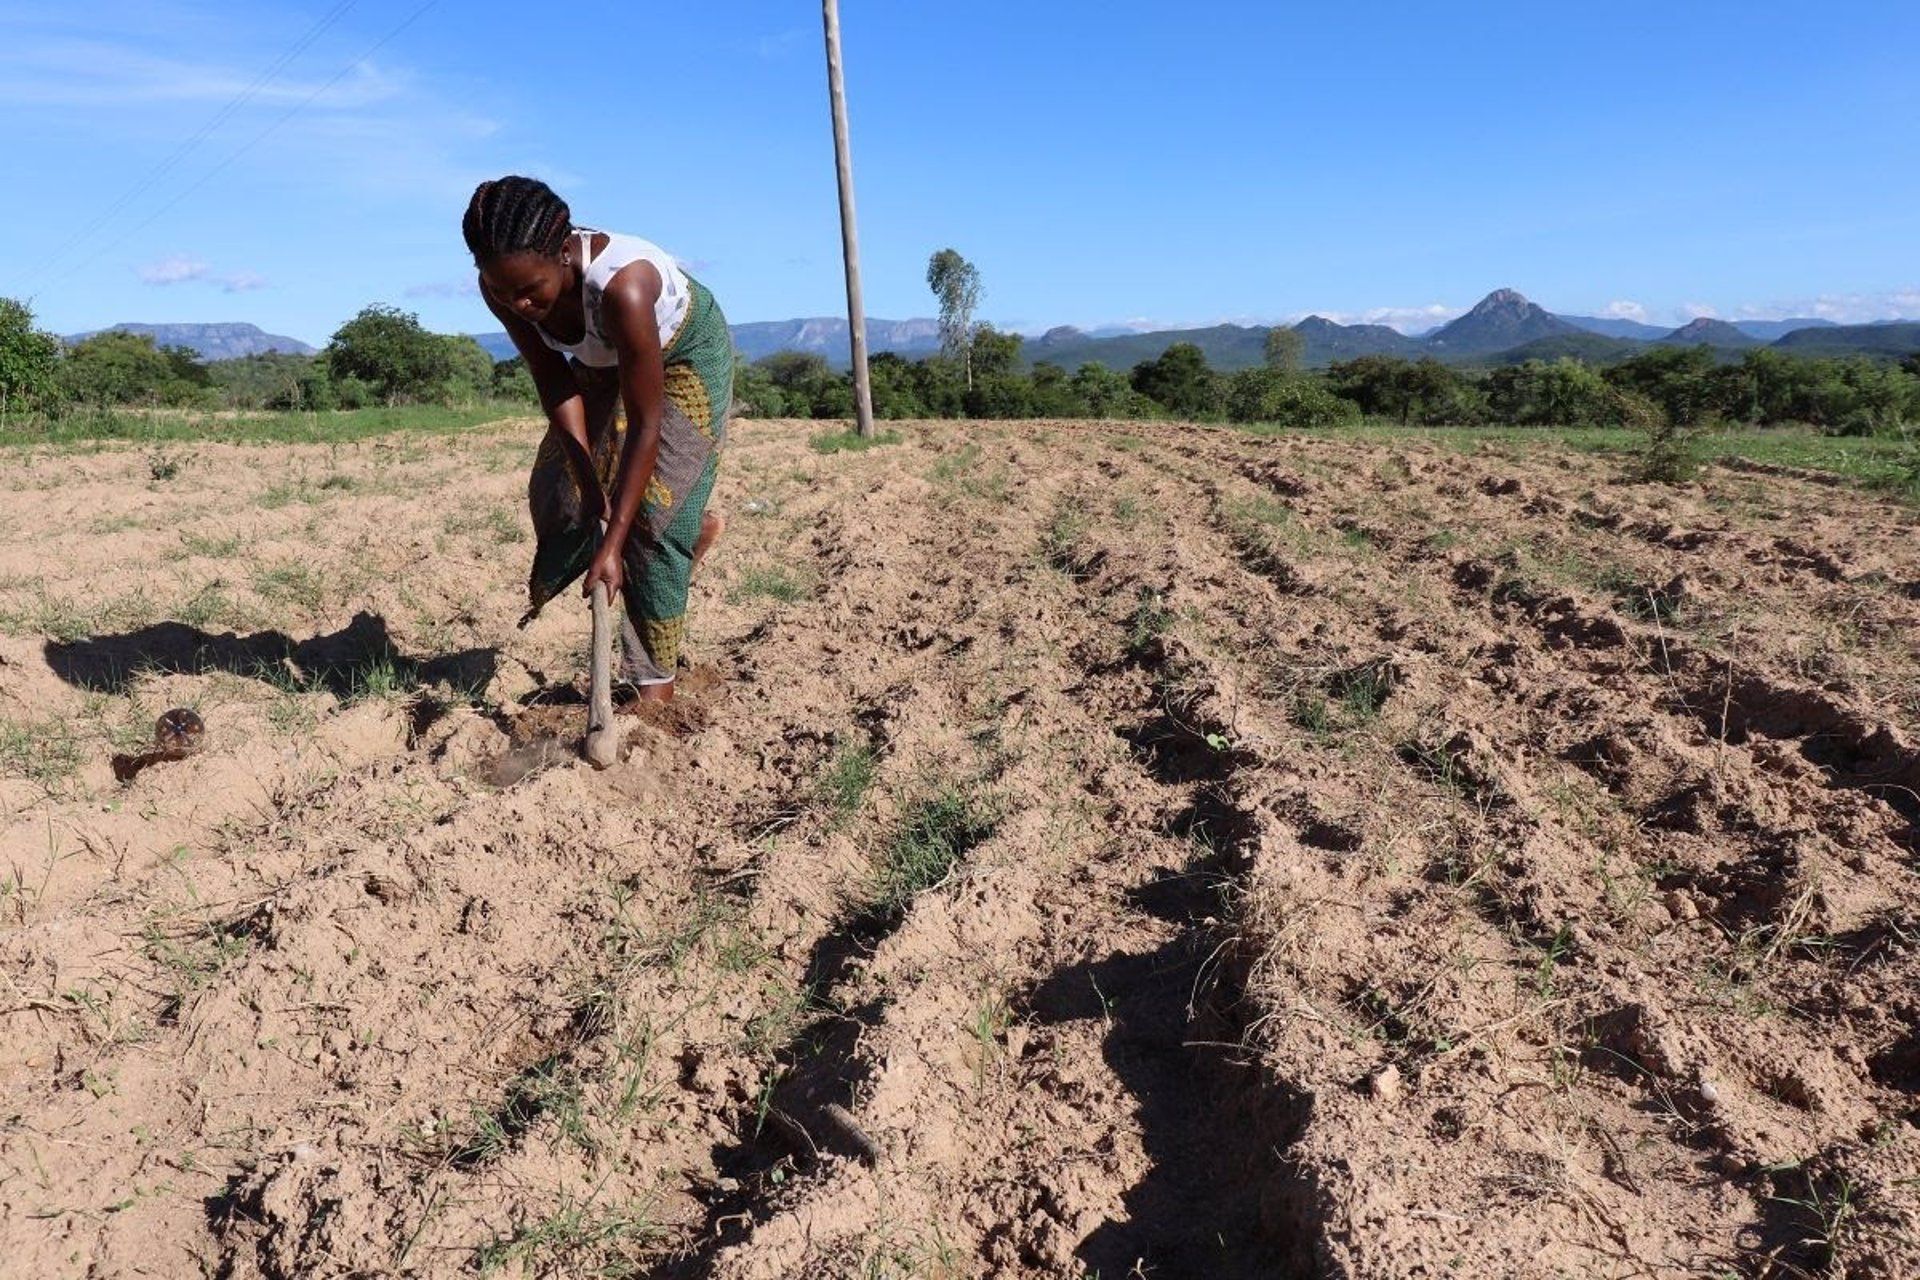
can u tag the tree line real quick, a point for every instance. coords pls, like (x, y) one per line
(1680, 387)
(384, 356)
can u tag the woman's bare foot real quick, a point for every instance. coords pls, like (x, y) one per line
(712, 525)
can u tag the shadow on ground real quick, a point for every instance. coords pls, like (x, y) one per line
(338, 662)
(1220, 1201)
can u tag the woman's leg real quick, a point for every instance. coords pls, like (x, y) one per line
(712, 525)
(661, 554)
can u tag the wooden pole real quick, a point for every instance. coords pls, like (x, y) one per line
(849, 232)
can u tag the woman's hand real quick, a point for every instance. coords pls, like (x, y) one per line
(606, 567)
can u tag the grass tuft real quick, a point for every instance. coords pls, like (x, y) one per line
(935, 833)
(771, 582)
(851, 441)
(844, 786)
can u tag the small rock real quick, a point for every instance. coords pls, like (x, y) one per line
(1709, 1092)
(1680, 906)
(1386, 1084)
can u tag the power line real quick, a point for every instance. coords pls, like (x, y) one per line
(185, 148)
(267, 132)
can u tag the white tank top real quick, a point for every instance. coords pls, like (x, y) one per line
(670, 312)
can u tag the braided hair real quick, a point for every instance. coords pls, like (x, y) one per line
(515, 215)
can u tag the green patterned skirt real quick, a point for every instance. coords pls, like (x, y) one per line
(659, 553)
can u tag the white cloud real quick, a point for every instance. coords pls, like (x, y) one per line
(175, 268)
(1841, 308)
(444, 289)
(1406, 319)
(183, 268)
(191, 95)
(1624, 310)
(98, 73)
(1698, 310)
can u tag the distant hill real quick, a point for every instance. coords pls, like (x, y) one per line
(1501, 321)
(1327, 341)
(1503, 328)
(1226, 346)
(209, 341)
(1892, 338)
(1706, 332)
(825, 336)
(1769, 330)
(829, 336)
(1612, 327)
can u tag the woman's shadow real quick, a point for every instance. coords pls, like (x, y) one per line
(339, 661)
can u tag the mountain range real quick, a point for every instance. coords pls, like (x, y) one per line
(1502, 328)
(208, 341)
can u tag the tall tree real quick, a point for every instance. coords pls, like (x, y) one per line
(1285, 349)
(387, 349)
(27, 357)
(956, 284)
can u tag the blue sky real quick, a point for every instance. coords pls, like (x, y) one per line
(1099, 162)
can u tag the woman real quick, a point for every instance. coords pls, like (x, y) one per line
(634, 366)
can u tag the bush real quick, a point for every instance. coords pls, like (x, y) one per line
(272, 380)
(29, 359)
(469, 369)
(1681, 380)
(513, 381)
(1564, 393)
(387, 351)
(1180, 381)
(114, 368)
(1409, 391)
(1273, 395)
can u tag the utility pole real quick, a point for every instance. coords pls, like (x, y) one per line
(849, 232)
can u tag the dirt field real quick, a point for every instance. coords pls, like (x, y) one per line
(1082, 850)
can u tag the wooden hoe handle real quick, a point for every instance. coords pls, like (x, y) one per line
(603, 742)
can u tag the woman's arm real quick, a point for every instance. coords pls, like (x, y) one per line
(627, 309)
(560, 397)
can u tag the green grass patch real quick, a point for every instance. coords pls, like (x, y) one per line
(844, 786)
(292, 583)
(936, 831)
(496, 524)
(1885, 463)
(851, 441)
(772, 582)
(210, 547)
(66, 620)
(579, 1238)
(336, 427)
(1151, 619)
(42, 751)
(965, 473)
